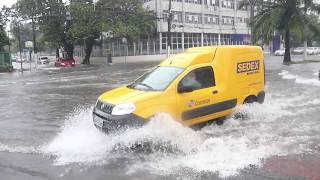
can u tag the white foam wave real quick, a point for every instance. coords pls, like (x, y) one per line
(78, 141)
(270, 130)
(18, 149)
(298, 79)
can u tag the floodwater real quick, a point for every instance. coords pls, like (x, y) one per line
(46, 130)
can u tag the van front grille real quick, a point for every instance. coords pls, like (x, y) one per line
(105, 107)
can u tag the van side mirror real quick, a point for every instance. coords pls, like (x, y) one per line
(185, 89)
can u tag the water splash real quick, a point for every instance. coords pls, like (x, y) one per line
(270, 130)
(300, 80)
(18, 149)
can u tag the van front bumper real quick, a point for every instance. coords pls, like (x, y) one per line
(111, 123)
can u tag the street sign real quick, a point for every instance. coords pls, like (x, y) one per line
(108, 34)
(29, 44)
(124, 40)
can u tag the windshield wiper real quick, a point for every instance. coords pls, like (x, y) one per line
(142, 84)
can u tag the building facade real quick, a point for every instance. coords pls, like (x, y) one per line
(195, 23)
(200, 23)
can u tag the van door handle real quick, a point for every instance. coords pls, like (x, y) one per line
(215, 92)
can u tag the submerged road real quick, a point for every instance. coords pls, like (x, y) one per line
(46, 130)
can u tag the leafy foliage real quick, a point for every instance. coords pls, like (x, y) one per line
(126, 18)
(283, 16)
(83, 21)
(4, 40)
(55, 23)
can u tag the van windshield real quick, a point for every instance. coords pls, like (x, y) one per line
(157, 79)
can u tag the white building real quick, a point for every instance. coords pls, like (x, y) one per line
(201, 22)
(195, 23)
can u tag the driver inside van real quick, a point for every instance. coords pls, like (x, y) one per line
(191, 81)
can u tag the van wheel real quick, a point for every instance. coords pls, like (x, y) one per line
(250, 100)
(220, 121)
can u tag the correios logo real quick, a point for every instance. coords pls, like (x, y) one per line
(249, 66)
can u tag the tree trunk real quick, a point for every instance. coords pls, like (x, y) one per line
(89, 42)
(287, 56)
(57, 53)
(305, 46)
(69, 50)
(304, 43)
(252, 5)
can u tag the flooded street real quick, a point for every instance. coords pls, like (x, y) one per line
(46, 130)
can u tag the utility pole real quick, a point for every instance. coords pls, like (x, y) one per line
(35, 49)
(19, 44)
(169, 28)
(9, 41)
(34, 36)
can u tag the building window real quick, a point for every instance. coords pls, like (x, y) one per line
(227, 4)
(211, 2)
(193, 18)
(194, 1)
(227, 20)
(244, 8)
(211, 19)
(176, 16)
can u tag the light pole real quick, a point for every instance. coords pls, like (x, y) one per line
(9, 45)
(34, 12)
(169, 29)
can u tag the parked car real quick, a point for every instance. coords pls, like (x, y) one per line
(20, 60)
(60, 62)
(14, 58)
(43, 60)
(313, 50)
(279, 52)
(298, 50)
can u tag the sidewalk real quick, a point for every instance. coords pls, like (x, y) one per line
(125, 59)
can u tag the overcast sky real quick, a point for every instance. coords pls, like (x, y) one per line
(10, 2)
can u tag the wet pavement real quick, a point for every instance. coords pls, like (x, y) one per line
(46, 130)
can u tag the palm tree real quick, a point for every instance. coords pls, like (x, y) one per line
(251, 5)
(283, 16)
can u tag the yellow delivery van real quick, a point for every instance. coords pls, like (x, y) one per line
(199, 85)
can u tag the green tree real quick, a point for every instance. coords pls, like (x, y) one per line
(282, 16)
(251, 5)
(22, 32)
(4, 40)
(30, 9)
(127, 19)
(86, 25)
(53, 19)
(55, 23)
(124, 18)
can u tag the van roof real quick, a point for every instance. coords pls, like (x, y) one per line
(200, 55)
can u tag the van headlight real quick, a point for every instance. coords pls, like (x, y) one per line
(123, 109)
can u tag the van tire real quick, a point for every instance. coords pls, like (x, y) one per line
(250, 100)
(220, 121)
(261, 97)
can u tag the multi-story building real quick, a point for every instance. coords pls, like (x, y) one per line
(195, 23)
(200, 22)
